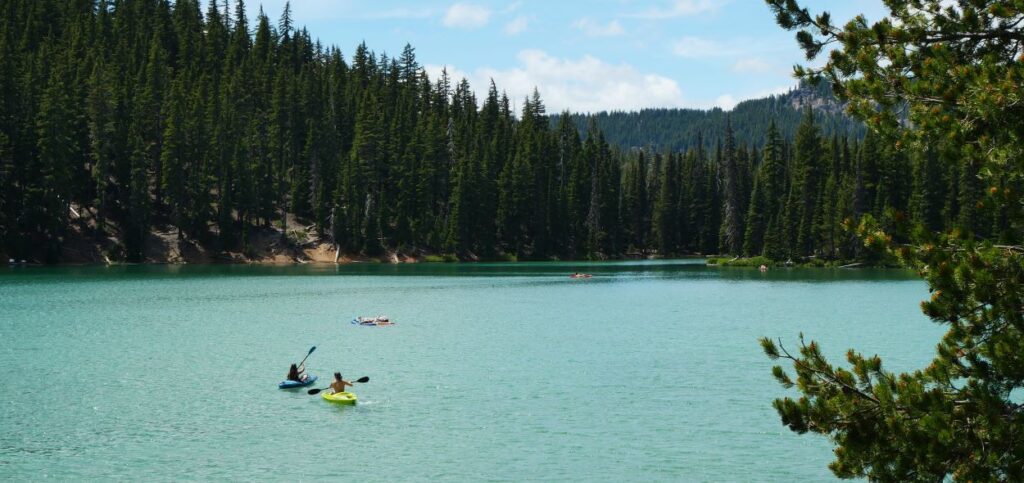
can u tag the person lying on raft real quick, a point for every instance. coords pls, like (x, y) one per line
(339, 384)
(297, 373)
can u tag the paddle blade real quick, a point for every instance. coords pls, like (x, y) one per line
(363, 379)
(311, 349)
(314, 391)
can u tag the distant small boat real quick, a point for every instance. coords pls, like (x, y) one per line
(378, 320)
(580, 275)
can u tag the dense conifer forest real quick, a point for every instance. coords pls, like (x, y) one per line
(125, 117)
(682, 129)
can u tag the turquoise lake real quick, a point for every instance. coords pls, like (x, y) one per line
(648, 371)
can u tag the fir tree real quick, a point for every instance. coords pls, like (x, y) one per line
(732, 186)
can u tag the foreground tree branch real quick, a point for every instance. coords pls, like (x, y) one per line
(946, 76)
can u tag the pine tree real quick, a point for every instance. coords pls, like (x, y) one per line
(48, 194)
(366, 161)
(6, 192)
(634, 197)
(104, 148)
(136, 227)
(577, 190)
(664, 220)
(764, 217)
(970, 218)
(897, 427)
(926, 202)
(801, 203)
(731, 182)
(174, 159)
(148, 109)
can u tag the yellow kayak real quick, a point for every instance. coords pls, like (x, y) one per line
(339, 397)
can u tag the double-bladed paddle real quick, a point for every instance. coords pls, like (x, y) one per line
(311, 349)
(317, 391)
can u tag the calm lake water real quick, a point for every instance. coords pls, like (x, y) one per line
(648, 371)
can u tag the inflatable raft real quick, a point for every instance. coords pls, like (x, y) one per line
(371, 321)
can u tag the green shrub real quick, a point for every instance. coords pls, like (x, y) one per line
(442, 258)
(741, 262)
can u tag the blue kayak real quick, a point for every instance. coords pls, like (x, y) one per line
(288, 384)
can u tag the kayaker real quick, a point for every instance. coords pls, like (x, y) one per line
(297, 373)
(339, 384)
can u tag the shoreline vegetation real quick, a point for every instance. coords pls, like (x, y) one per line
(756, 262)
(299, 245)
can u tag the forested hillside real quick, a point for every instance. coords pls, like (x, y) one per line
(682, 129)
(127, 119)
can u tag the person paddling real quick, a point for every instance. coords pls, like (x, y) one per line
(297, 373)
(339, 384)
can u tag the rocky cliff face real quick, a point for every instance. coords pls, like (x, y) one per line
(820, 98)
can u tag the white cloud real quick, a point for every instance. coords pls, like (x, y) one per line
(753, 65)
(454, 74)
(594, 29)
(682, 8)
(466, 16)
(589, 84)
(748, 53)
(697, 47)
(517, 25)
(726, 101)
(586, 84)
(512, 7)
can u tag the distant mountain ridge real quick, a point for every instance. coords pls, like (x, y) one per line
(681, 129)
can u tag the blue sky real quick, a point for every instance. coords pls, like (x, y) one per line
(582, 55)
